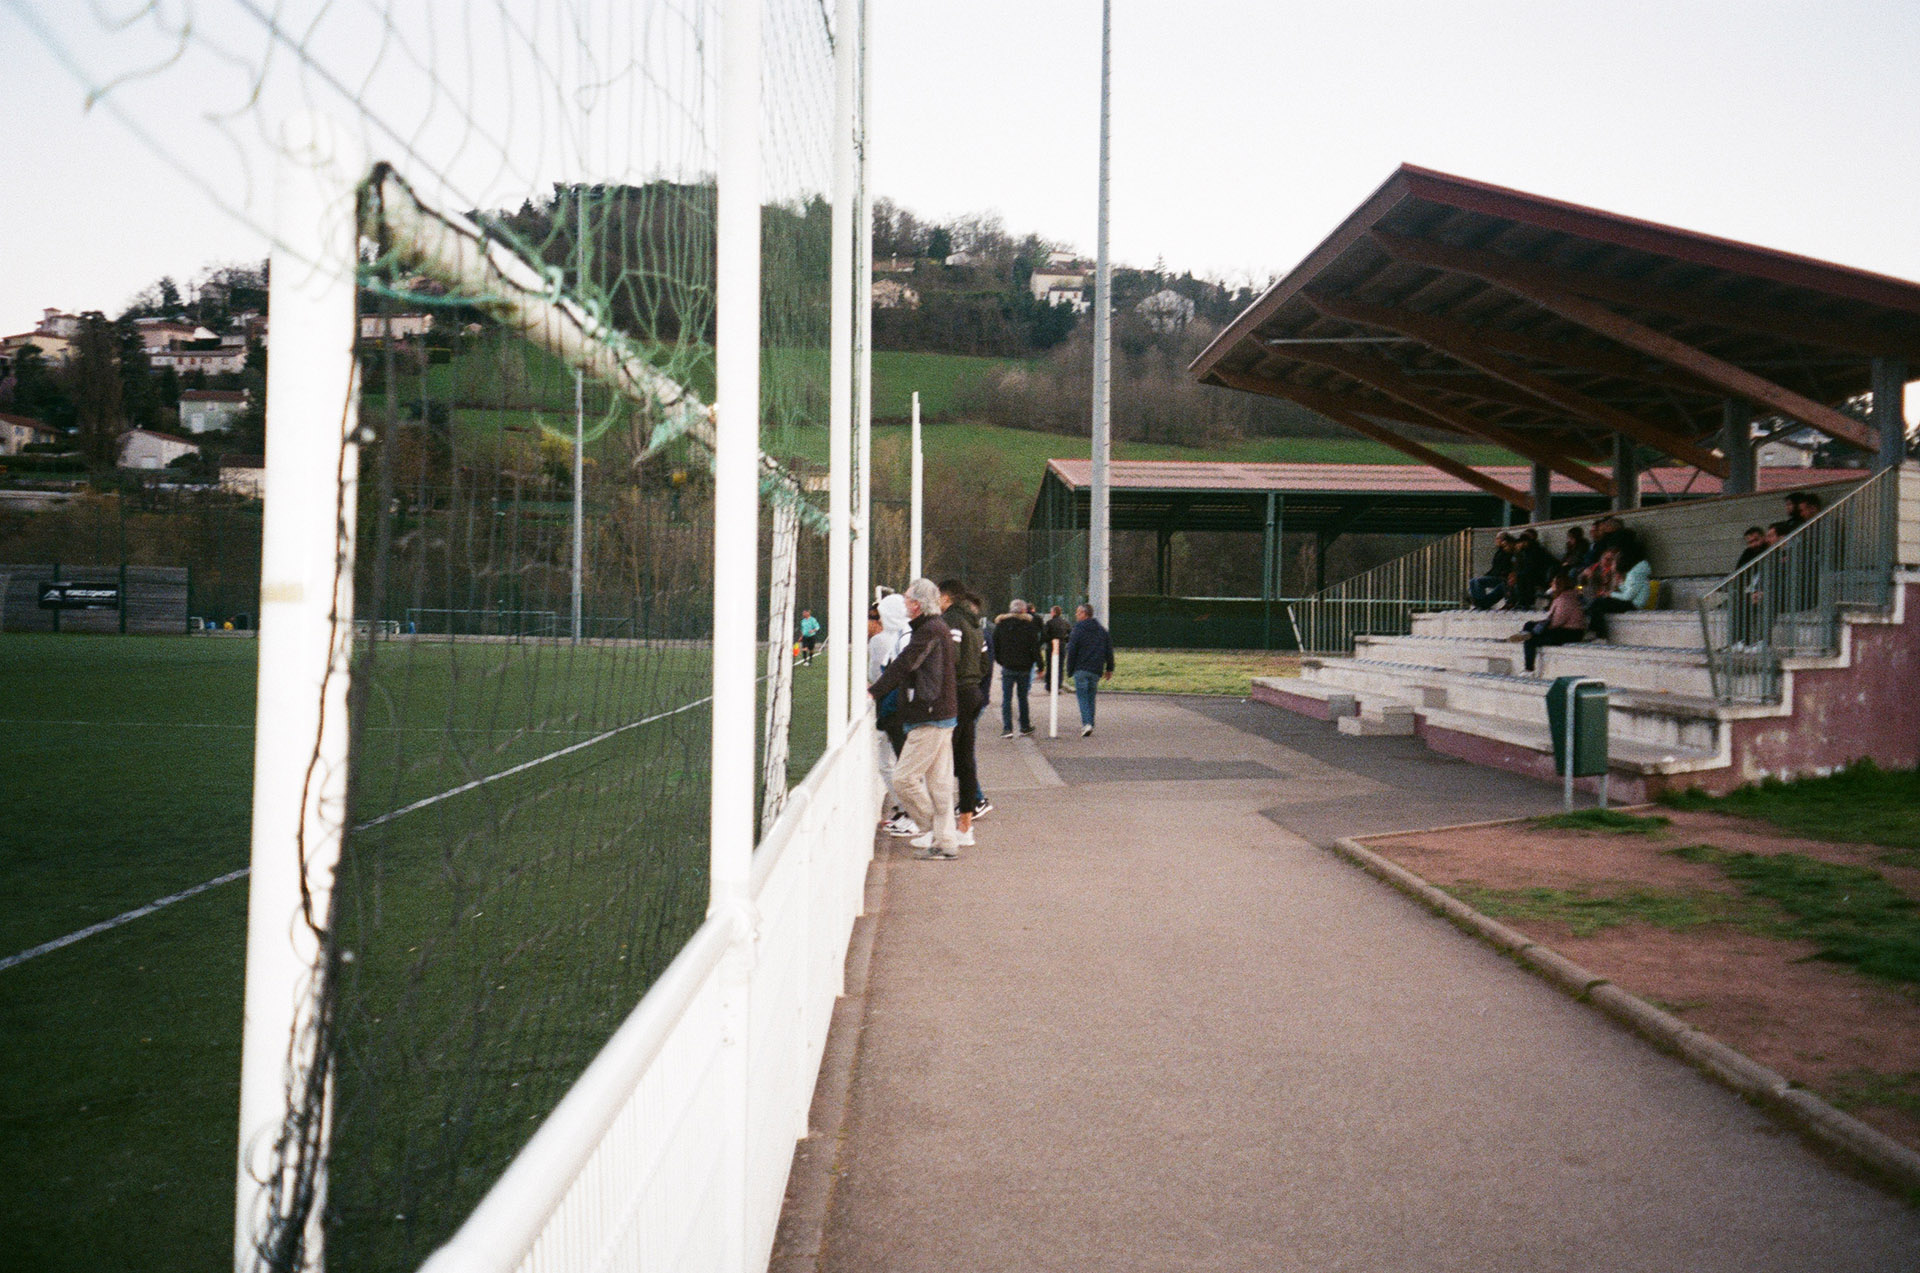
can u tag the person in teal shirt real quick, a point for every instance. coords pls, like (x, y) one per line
(809, 636)
(1632, 578)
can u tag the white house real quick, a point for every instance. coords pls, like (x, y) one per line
(394, 326)
(201, 355)
(16, 432)
(54, 323)
(1165, 311)
(244, 475)
(157, 334)
(211, 410)
(1058, 284)
(147, 449)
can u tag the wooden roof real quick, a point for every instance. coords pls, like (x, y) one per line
(1550, 328)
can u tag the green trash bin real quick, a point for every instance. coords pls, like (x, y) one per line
(1579, 751)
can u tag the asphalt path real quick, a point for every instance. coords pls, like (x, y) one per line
(1149, 1023)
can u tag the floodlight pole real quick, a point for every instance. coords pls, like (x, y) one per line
(1099, 546)
(916, 518)
(861, 520)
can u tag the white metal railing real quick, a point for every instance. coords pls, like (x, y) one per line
(1383, 601)
(631, 1170)
(1788, 601)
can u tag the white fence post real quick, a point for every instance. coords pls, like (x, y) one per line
(736, 546)
(916, 517)
(306, 644)
(844, 651)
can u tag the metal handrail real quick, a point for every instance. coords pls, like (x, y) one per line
(1383, 601)
(1788, 601)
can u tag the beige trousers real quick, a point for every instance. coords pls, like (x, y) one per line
(923, 779)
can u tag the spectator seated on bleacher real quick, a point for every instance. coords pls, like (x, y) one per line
(1624, 582)
(1566, 620)
(1533, 570)
(1487, 590)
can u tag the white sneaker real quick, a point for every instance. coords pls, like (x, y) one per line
(925, 844)
(902, 827)
(963, 839)
(1086, 731)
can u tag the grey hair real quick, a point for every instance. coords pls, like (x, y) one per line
(926, 594)
(1017, 606)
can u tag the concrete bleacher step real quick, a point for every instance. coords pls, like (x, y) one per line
(1666, 629)
(1624, 754)
(1380, 719)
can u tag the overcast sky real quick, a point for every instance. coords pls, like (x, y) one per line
(1243, 129)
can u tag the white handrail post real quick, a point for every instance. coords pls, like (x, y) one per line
(1053, 702)
(916, 517)
(862, 512)
(841, 645)
(306, 643)
(736, 539)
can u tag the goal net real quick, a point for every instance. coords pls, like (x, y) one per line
(516, 454)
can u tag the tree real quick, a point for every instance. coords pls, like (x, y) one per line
(940, 243)
(34, 390)
(139, 387)
(94, 383)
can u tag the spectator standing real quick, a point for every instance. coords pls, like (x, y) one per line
(1016, 648)
(924, 672)
(1566, 621)
(888, 635)
(1756, 544)
(1057, 628)
(969, 665)
(1088, 660)
(809, 636)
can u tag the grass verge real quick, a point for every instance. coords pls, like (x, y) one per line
(1861, 804)
(1604, 820)
(1223, 672)
(1587, 911)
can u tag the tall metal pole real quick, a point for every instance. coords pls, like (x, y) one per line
(840, 387)
(916, 516)
(1099, 547)
(736, 547)
(579, 413)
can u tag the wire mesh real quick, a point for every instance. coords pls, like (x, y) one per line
(527, 843)
(1383, 601)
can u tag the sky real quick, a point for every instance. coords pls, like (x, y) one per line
(1243, 131)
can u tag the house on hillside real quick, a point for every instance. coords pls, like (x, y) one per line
(1166, 311)
(157, 334)
(18, 432)
(891, 293)
(201, 355)
(54, 350)
(244, 475)
(149, 449)
(1062, 283)
(211, 410)
(53, 322)
(394, 326)
(894, 264)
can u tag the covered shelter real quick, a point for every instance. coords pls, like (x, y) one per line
(1585, 342)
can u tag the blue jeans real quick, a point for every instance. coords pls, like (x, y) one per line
(1085, 686)
(1014, 684)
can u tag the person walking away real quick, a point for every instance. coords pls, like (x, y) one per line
(1016, 649)
(1088, 660)
(1057, 628)
(888, 637)
(969, 664)
(1630, 583)
(929, 708)
(1566, 620)
(809, 636)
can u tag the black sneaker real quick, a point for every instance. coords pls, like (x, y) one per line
(1027, 732)
(982, 809)
(1007, 734)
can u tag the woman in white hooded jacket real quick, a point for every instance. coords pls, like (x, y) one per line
(882, 647)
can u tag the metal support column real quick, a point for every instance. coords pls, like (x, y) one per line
(1542, 493)
(1269, 562)
(1736, 443)
(1626, 474)
(1889, 422)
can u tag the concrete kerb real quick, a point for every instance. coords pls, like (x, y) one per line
(1866, 1147)
(801, 1240)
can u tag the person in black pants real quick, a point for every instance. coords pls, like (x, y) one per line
(969, 665)
(1016, 648)
(1566, 620)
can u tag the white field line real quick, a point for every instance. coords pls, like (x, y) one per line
(139, 912)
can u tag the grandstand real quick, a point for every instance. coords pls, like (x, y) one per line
(1589, 343)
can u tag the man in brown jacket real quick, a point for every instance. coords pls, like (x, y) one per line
(929, 709)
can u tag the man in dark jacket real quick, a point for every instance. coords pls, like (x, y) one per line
(969, 667)
(1016, 648)
(1057, 628)
(929, 707)
(1088, 660)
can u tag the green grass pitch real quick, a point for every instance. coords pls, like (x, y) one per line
(131, 779)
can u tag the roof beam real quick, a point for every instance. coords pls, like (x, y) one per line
(1792, 328)
(1462, 343)
(1328, 405)
(1387, 379)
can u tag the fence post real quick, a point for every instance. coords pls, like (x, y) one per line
(736, 546)
(305, 626)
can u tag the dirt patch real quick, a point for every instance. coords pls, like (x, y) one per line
(1682, 935)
